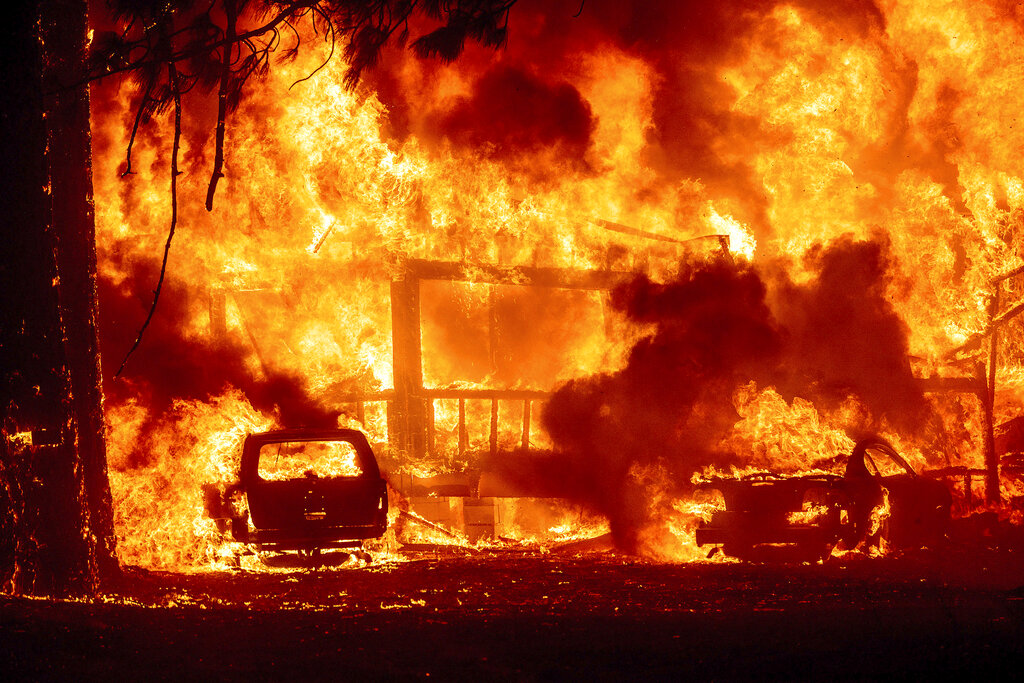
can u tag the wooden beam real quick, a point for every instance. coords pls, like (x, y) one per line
(218, 313)
(562, 278)
(953, 385)
(1006, 276)
(997, 321)
(486, 394)
(635, 232)
(492, 329)
(1006, 316)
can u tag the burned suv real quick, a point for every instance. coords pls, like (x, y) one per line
(304, 490)
(769, 516)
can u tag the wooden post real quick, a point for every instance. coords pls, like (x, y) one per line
(526, 424)
(607, 316)
(264, 367)
(430, 425)
(991, 457)
(494, 426)
(463, 436)
(409, 431)
(492, 329)
(218, 313)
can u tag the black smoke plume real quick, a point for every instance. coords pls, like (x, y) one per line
(716, 327)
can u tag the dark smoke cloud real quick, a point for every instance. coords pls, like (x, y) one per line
(169, 365)
(719, 326)
(845, 338)
(512, 111)
(672, 401)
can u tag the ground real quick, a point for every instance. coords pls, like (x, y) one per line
(535, 616)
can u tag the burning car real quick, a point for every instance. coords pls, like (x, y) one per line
(768, 516)
(303, 490)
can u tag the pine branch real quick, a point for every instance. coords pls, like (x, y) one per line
(331, 38)
(135, 126)
(222, 101)
(172, 75)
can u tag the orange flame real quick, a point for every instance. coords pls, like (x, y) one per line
(907, 130)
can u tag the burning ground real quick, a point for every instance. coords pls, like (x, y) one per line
(860, 162)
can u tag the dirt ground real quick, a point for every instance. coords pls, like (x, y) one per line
(535, 616)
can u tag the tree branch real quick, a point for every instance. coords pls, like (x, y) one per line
(172, 75)
(135, 126)
(295, 8)
(330, 36)
(222, 101)
(367, 25)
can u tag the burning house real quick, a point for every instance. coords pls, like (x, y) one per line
(564, 284)
(595, 271)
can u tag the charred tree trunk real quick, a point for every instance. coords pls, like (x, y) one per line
(65, 26)
(56, 529)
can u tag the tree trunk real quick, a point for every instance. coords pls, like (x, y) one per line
(56, 530)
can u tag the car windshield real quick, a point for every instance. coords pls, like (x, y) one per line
(880, 463)
(316, 459)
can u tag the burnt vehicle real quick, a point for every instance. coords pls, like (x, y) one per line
(802, 518)
(303, 490)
